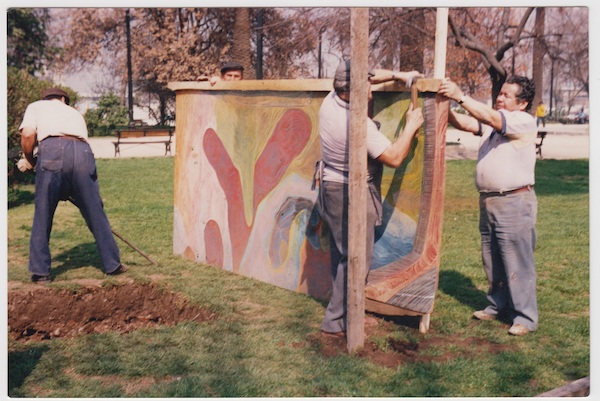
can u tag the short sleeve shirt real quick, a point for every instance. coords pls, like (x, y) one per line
(334, 129)
(506, 158)
(54, 118)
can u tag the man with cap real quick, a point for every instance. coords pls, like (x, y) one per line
(65, 170)
(334, 123)
(230, 71)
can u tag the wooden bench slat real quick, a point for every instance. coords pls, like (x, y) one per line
(142, 132)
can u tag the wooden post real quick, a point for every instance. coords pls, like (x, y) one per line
(441, 39)
(357, 185)
(439, 72)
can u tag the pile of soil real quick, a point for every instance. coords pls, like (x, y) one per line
(40, 313)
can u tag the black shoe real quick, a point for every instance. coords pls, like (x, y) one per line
(121, 269)
(40, 279)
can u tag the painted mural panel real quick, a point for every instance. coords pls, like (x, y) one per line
(243, 173)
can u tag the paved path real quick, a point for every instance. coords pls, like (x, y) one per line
(562, 142)
(103, 148)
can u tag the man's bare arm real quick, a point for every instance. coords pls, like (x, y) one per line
(28, 143)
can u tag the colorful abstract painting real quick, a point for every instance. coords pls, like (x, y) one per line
(243, 173)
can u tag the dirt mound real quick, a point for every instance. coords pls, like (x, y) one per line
(41, 313)
(391, 353)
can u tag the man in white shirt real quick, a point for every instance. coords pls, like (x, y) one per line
(334, 118)
(66, 170)
(507, 201)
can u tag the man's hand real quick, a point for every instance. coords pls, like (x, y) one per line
(23, 165)
(450, 90)
(409, 77)
(382, 76)
(414, 119)
(28, 144)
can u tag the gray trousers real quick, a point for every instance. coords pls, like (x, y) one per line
(333, 208)
(508, 237)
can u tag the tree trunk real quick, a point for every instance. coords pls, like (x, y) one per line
(539, 51)
(241, 41)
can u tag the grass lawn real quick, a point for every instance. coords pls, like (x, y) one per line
(262, 343)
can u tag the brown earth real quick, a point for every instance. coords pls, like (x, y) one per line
(392, 352)
(38, 313)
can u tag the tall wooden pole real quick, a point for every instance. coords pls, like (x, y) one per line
(441, 39)
(129, 69)
(357, 178)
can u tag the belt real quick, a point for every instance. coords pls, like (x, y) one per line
(69, 137)
(526, 188)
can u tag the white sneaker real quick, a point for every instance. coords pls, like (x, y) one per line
(482, 315)
(518, 330)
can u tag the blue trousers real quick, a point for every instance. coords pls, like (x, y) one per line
(508, 237)
(333, 208)
(66, 169)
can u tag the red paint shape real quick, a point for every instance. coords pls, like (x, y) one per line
(230, 181)
(213, 243)
(289, 138)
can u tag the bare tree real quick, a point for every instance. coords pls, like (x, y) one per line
(173, 44)
(491, 49)
(399, 37)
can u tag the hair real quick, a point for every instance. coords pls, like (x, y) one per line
(527, 91)
(50, 97)
(341, 85)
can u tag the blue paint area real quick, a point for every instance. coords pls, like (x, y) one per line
(396, 241)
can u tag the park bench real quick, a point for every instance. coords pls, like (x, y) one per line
(143, 135)
(538, 146)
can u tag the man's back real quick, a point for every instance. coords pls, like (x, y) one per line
(54, 118)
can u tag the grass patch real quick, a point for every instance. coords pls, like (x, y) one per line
(262, 344)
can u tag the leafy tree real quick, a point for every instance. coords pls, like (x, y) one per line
(22, 89)
(28, 51)
(28, 46)
(110, 113)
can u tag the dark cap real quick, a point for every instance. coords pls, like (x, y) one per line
(342, 73)
(231, 66)
(55, 93)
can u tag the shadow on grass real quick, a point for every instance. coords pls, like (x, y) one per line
(18, 197)
(20, 366)
(76, 257)
(562, 177)
(464, 291)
